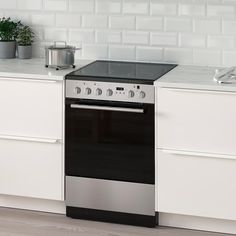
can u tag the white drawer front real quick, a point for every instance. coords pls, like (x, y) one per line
(31, 169)
(31, 108)
(193, 120)
(191, 184)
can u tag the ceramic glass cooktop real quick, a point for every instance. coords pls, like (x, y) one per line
(125, 72)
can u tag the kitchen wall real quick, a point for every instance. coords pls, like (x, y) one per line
(200, 32)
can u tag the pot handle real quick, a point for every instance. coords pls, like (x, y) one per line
(60, 42)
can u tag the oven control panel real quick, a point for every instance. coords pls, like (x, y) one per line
(97, 90)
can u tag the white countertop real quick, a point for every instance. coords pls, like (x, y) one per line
(193, 77)
(34, 69)
(189, 77)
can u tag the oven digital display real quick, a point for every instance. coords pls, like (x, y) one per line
(119, 88)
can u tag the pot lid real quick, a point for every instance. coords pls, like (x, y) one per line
(60, 45)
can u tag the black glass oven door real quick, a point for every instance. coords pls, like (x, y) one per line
(108, 140)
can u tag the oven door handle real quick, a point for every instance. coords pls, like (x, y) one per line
(107, 108)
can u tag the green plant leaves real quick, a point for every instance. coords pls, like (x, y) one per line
(25, 36)
(8, 29)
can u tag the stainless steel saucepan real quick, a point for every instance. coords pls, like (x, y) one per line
(60, 55)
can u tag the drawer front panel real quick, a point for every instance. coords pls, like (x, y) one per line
(31, 108)
(31, 169)
(192, 120)
(191, 184)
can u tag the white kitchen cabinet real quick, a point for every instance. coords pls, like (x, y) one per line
(196, 120)
(196, 153)
(196, 184)
(31, 138)
(31, 169)
(31, 108)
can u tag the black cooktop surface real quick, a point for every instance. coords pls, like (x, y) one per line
(124, 72)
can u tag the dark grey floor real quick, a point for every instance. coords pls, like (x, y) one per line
(28, 223)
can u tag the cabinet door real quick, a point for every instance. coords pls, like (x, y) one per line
(31, 108)
(195, 120)
(196, 184)
(31, 169)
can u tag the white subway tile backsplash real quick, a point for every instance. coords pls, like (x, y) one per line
(78, 53)
(28, 4)
(182, 31)
(52, 34)
(134, 37)
(83, 6)
(120, 52)
(94, 21)
(164, 39)
(82, 35)
(210, 57)
(150, 54)
(178, 55)
(227, 11)
(8, 4)
(135, 7)
(43, 19)
(38, 34)
(108, 36)
(215, 1)
(108, 6)
(95, 51)
(149, 23)
(68, 20)
(23, 16)
(163, 8)
(229, 58)
(207, 26)
(122, 22)
(178, 24)
(229, 1)
(229, 27)
(54, 5)
(192, 40)
(192, 10)
(221, 42)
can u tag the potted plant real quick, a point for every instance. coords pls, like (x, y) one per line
(25, 39)
(8, 35)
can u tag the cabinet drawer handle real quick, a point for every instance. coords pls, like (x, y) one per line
(199, 154)
(29, 80)
(199, 91)
(29, 139)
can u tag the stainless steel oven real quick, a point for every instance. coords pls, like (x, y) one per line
(109, 153)
(109, 142)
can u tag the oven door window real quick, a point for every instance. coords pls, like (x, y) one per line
(110, 144)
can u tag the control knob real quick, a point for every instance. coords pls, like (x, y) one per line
(88, 91)
(109, 92)
(131, 94)
(98, 91)
(77, 90)
(142, 94)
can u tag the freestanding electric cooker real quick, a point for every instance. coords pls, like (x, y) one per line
(109, 142)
